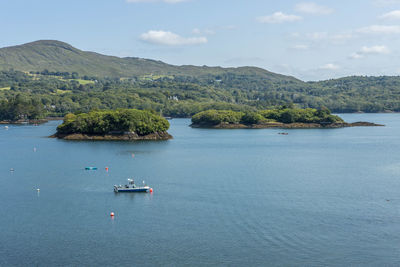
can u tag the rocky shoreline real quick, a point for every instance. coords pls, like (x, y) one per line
(40, 121)
(115, 137)
(286, 125)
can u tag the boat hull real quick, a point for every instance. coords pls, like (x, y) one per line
(132, 190)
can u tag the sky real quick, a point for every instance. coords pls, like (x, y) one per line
(311, 40)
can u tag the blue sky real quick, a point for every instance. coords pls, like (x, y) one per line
(311, 40)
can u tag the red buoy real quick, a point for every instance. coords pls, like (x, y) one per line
(151, 190)
(107, 169)
(112, 214)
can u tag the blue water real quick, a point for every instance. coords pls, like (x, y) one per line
(221, 197)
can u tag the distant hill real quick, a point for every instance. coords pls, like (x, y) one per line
(58, 56)
(79, 81)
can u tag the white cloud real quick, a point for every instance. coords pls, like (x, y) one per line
(386, 2)
(377, 49)
(395, 14)
(342, 36)
(153, 1)
(313, 8)
(380, 29)
(336, 39)
(370, 50)
(317, 35)
(279, 17)
(329, 66)
(300, 47)
(170, 38)
(356, 55)
(327, 36)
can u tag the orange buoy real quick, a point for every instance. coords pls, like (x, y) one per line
(107, 169)
(112, 214)
(151, 190)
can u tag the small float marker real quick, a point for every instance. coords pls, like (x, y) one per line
(91, 168)
(106, 169)
(12, 169)
(38, 189)
(112, 214)
(34, 149)
(151, 190)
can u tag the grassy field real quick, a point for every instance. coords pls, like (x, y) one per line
(37, 77)
(151, 77)
(60, 92)
(80, 81)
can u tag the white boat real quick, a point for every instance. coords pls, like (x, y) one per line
(132, 187)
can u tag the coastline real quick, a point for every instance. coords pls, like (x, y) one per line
(40, 121)
(287, 125)
(114, 137)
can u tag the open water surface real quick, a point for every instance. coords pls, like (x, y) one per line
(221, 197)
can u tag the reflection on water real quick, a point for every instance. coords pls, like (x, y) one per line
(134, 152)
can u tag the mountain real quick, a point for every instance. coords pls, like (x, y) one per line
(59, 56)
(179, 91)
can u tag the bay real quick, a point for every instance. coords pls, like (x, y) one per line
(221, 197)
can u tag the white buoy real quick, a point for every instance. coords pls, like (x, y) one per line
(34, 149)
(38, 189)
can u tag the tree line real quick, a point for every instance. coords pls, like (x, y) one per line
(283, 114)
(59, 93)
(21, 108)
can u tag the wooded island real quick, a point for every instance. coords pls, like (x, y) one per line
(120, 124)
(283, 117)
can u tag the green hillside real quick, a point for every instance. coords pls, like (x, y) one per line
(57, 56)
(54, 78)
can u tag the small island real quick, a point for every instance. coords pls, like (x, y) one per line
(283, 117)
(120, 124)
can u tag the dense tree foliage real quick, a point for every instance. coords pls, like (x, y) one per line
(113, 121)
(282, 114)
(21, 108)
(59, 93)
(214, 117)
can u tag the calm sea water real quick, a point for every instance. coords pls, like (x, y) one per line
(221, 197)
